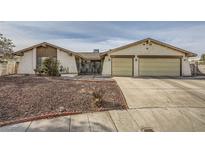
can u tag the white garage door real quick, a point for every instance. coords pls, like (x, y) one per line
(159, 66)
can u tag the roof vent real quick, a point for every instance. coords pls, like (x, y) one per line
(96, 50)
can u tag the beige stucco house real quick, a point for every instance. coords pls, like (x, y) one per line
(147, 57)
(33, 56)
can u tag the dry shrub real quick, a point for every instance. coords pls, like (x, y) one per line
(98, 97)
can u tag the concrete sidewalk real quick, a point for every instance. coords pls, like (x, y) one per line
(132, 120)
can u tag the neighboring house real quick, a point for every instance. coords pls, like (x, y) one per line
(193, 60)
(147, 57)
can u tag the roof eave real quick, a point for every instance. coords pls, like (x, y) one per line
(192, 55)
(20, 52)
(188, 53)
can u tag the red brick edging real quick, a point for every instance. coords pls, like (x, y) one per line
(38, 117)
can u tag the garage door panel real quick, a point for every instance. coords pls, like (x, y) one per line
(160, 70)
(122, 73)
(160, 74)
(122, 66)
(159, 59)
(159, 67)
(147, 67)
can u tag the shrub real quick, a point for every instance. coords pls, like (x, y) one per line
(39, 70)
(51, 67)
(64, 69)
(202, 57)
(98, 97)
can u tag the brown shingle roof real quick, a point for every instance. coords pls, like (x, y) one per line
(90, 55)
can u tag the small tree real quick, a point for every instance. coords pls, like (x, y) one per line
(6, 45)
(202, 57)
(51, 67)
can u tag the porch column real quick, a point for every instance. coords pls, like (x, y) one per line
(136, 66)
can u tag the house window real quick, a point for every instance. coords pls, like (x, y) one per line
(40, 60)
(43, 53)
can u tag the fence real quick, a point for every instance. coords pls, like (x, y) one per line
(197, 68)
(8, 67)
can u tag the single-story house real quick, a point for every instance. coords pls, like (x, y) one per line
(147, 57)
(33, 56)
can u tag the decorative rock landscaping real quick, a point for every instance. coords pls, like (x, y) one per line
(24, 97)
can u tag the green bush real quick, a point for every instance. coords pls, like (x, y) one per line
(49, 67)
(202, 58)
(39, 70)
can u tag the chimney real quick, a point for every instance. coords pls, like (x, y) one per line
(96, 50)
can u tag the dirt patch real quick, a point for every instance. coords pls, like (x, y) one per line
(27, 96)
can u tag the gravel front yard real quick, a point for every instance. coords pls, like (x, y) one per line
(27, 96)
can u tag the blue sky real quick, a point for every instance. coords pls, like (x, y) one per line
(86, 36)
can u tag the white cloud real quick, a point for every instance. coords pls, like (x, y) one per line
(191, 38)
(102, 35)
(82, 45)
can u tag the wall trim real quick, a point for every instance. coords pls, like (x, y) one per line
(122, 56)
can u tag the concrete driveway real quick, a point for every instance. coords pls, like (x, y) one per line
(162, 93)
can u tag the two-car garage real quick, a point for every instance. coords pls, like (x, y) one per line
(147, 66)
(147, 57)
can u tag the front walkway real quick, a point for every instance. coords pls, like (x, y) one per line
(155, 119)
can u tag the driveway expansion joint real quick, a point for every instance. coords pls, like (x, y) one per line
(112, 121)
(28, 126)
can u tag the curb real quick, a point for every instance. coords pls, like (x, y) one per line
(38, 117)
(47, 116)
